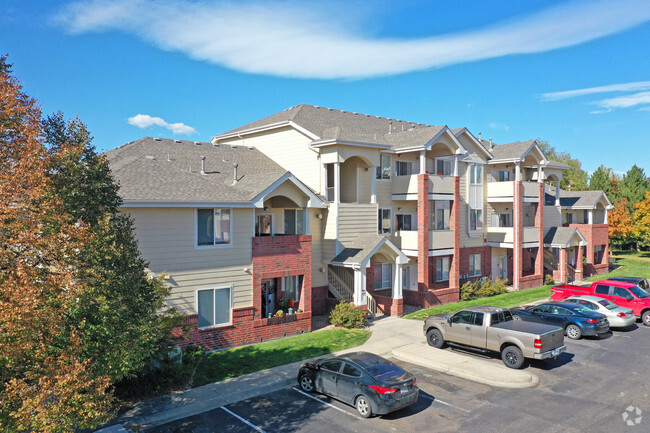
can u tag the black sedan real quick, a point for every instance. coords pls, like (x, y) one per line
(370, 383)
(575, 319)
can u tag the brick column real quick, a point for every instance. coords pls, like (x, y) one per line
(606, 254)
(539, 222)
(423, 233)
(563, 269)
(454, 225)
(590, 249)
(579, 264)
(518, 229)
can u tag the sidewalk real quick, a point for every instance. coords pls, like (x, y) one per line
(391, 336)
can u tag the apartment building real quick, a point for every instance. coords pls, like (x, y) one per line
(322, 205)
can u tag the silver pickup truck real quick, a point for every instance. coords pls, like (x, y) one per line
(493, 329)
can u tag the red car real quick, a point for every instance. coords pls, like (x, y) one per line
(621, 293)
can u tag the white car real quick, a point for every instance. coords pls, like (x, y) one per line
(618, 317)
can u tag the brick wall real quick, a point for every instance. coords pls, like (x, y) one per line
(423, 232)
(595, 234)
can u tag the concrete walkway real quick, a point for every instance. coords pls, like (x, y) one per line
(391, 336)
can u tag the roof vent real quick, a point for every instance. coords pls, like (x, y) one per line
(233, 146)
(203, 165)
(215, 144)
(177, 141)
(156, 139)
(491, 144)
(198, 143)
(150, 157)
(250, 147)
(390, 126)
(235, 165)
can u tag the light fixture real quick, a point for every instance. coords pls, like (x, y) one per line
(399, 209)
(246, 270)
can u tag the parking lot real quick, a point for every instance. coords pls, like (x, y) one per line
(598, 385)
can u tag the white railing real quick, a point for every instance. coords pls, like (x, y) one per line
(341, 283)
(371, 305)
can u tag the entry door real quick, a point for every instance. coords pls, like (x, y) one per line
(500, 267)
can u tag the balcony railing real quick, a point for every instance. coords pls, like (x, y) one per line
(507, 235)
(409, 184)
(507, 189)
(438, 239)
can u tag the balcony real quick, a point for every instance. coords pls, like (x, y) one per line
(409, 184)
(498, 191)
(506, 235)
(282, 245)
(438, 239)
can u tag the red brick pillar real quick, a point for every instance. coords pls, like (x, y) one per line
(590, 250)
(517, 253)
(606, 254)
(539, 222)
(579, 264)
(563, 269)
(454, 270)
(423, 233)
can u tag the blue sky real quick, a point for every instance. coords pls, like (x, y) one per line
(575, 73)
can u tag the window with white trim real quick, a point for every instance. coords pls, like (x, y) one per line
(213, 227)
(214, 306)
(569, 218)
(383, 276)
(503, 176)
(383, 170)
(403, 168)
(475, 219)
(406, 222)
(292, 287)
(383, 222)
(475, 265)
(475, 174)
(442, 268)
(444, 166)
(442, 214)
(294, 222)
(263, 225)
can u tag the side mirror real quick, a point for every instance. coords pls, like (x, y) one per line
(449, 320)
(629, 297)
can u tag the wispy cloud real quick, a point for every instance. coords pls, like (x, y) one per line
(498, 125)
(296, 39)
(626, 101)
(146, 121)
(624, 87)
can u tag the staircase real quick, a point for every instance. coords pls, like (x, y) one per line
(341, 282)
(550, 261)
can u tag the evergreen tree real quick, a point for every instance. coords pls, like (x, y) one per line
(633, 186)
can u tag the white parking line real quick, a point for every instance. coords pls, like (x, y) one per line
(243, 420)
(437, 400)
(324, 402)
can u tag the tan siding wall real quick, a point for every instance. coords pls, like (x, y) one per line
(357, 220)
(365, 184)
(384, 193)
(166, 238)
(349, 172)
(316, 229)
(288, 148)
(552, 217)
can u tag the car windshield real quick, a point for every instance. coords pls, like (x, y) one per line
(607, 304)
(639, 292)
(385, 371)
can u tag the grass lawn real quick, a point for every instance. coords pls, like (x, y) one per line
(236, 362)
(632, 264)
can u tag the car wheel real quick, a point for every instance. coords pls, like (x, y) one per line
(516, 317)
(573, 332)
(434, 338)
(645, 318)
(363, 406)
(306, 383)
(512, 357)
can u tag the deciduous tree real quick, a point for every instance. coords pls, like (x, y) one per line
(573, 179)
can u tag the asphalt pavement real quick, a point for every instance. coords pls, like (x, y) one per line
(391, 337)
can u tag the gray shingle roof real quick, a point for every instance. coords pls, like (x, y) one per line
(511, 150)
(559, 235)
(358, 249)
(148, 169)
(331, 124)
(580, 199)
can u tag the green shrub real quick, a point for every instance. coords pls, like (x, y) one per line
(482, 288)
(347, 315)
(548, 280)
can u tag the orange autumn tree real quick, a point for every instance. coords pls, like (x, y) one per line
(621, 224)
(44, 384)
(641, 229)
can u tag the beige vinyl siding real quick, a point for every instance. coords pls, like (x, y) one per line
(167, 240)
(288, 148)
(465, 240)
(552, 217)
(349, 172)
(356, 220)
(315, 229)
(365, 184)
(384, 193)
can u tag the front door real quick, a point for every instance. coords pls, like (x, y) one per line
(459, 330)
(328, 376)
(500, 267)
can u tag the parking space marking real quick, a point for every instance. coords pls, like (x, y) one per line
(324, 402)
(437, 400)
(243, 420)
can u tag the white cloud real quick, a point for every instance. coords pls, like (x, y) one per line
(625, 101)
(624, 87)
(296, 39)
(498, 125)
(145, 121)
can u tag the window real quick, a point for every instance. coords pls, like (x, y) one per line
(598, 254)
(213, 226)
(621, 292)
(383, 171)
(351, 370)
(383, 276)
(477, 319)
(292, 286)
(462, 317)
(475, 174)
(403, 168)
(569, 218)
(501, 220)
(331, 365)
(406, 222)
(602, 289)
(503, 176)
(442, 268)
(444, 167)
(214, 306)
(442, 214)
(476, 219)
(474, 265)
(383, 222)
(294, 221)
(263, 225)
